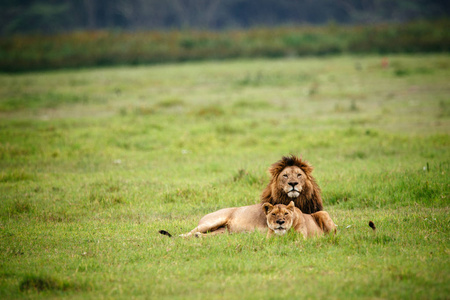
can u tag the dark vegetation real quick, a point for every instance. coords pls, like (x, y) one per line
(43, 283)
(104, 48)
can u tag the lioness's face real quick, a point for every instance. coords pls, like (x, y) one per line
(291, 180)
(279, 217)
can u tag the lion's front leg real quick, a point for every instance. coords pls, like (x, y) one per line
(270, 233)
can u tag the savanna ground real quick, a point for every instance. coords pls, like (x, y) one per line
(94, 162)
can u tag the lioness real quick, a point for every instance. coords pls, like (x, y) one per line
(281, 218)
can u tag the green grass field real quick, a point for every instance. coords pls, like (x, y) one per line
(94, 162)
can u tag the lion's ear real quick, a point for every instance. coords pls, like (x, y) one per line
(267, 207)
(291, 206)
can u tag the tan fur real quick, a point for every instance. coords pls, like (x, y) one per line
(308, 200)
(281, 218)
(291, 180)
(233, 219)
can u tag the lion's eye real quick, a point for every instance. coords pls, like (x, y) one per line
(285, 214)
(299, 175)
(285, 176)
(273, 214)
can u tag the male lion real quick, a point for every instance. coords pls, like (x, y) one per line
(291, 180)
(281, 218)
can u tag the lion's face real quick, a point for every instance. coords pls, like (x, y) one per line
(291, 180)
(279, 217)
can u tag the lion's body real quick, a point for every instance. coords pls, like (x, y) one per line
(233, 219)
(291, 180)
(281, 218)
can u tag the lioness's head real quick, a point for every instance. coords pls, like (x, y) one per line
(279, 217)
(291, 180)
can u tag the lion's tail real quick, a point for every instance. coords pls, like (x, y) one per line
(164, 232)
(372, 225)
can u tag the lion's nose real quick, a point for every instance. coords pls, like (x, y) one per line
(281, 222)
(293, 183)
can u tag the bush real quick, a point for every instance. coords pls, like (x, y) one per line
(102, 48)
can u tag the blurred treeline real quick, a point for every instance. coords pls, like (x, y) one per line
(106, 47)
(56, 16)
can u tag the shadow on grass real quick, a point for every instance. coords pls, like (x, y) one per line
(45, 283)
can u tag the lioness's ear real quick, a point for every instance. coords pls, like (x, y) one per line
(267, 207)
(291, 206)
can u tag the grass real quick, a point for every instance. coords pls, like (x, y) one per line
(94, 162)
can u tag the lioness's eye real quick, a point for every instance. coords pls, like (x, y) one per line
(285, 214)
(273, 214)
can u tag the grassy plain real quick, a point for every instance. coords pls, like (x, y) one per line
(94, 162)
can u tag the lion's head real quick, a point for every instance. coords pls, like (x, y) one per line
(279, 217)
(291, 180)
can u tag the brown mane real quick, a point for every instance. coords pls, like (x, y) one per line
(309, 200)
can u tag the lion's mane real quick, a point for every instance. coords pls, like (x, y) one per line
(309, 200)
